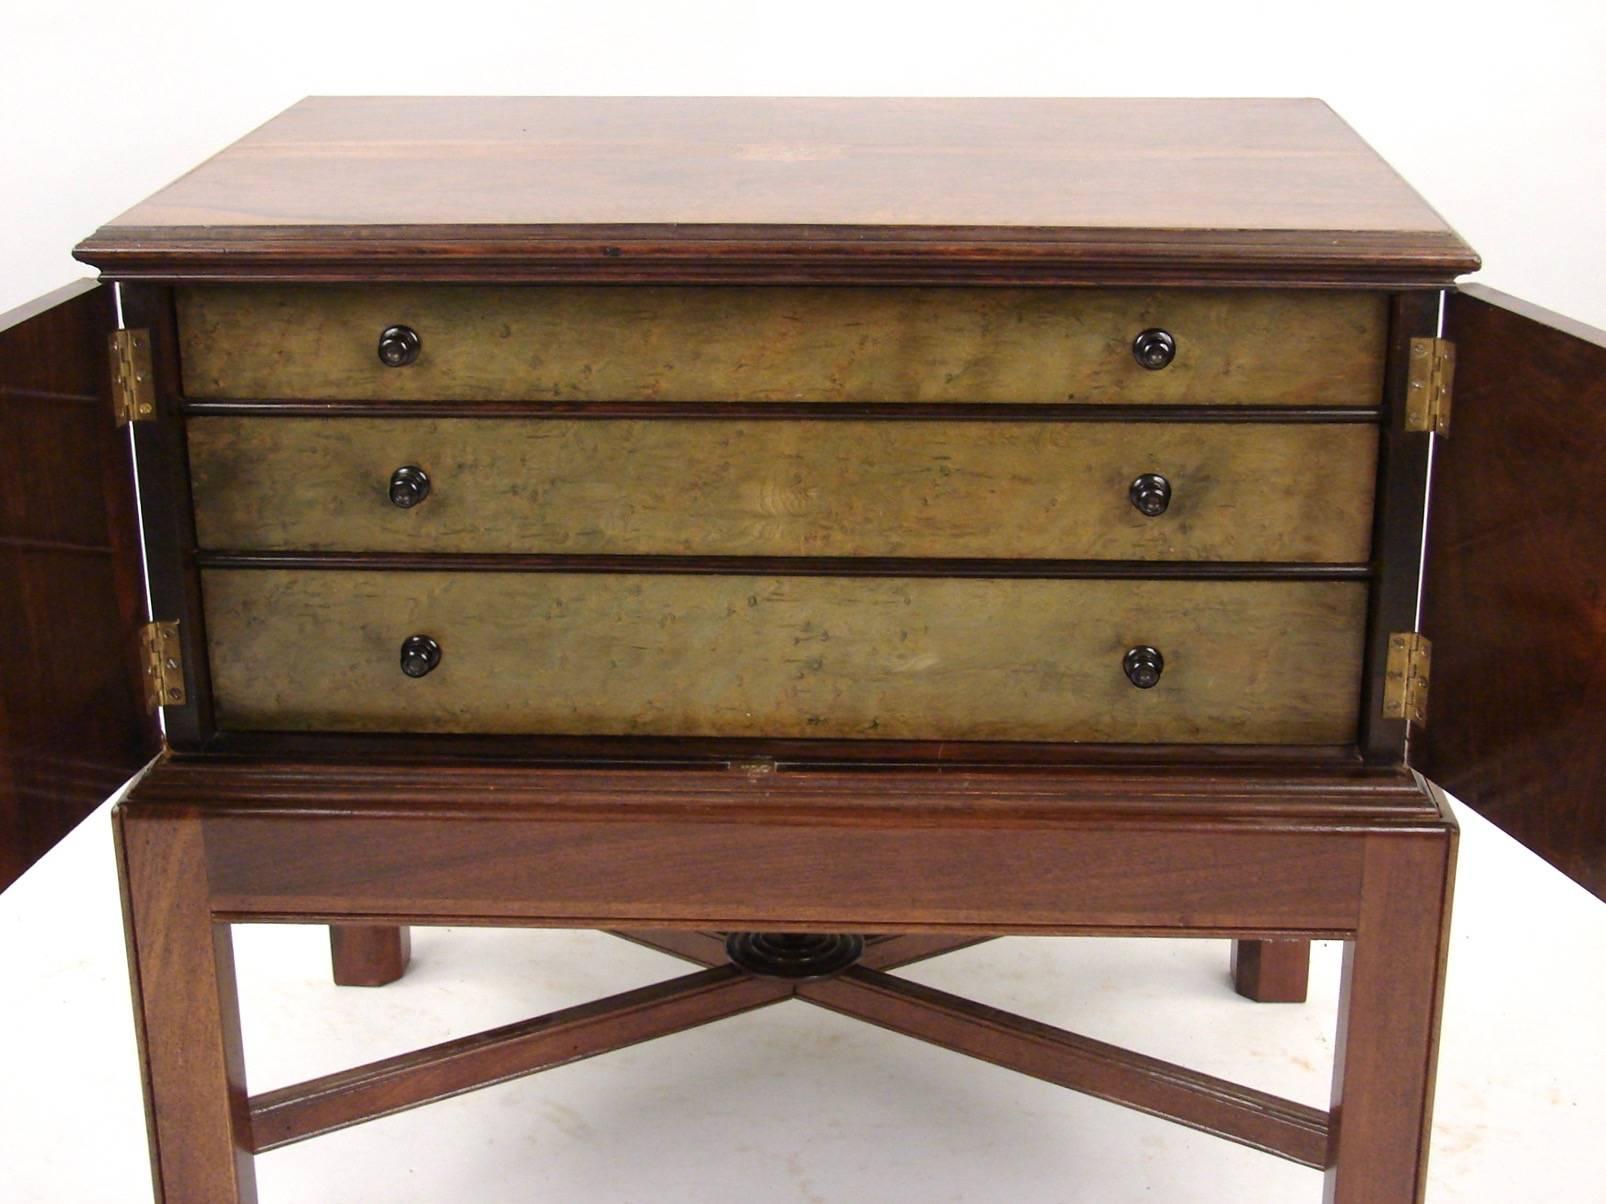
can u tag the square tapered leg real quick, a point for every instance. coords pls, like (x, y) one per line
(369, 955)
(1271, 971)
(181, 965)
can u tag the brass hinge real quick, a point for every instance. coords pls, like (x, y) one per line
(1405, 677)
(1428, 386)
(163, 658)
(133, 391)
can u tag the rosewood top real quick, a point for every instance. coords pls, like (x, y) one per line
(789, 189)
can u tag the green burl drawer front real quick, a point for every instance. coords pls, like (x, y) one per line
(866, 657)
(787, 488)
(589, 343)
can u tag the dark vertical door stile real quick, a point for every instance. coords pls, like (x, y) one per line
(1397, 524)
(73, 722)
(167, 531)
(1514, 597)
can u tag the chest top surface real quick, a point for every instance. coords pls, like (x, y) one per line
(1232, 191)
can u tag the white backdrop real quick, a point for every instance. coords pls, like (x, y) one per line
(1495, 111)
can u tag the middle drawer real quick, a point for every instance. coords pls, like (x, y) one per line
(773, 487)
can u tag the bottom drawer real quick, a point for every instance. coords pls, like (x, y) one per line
(786, 656)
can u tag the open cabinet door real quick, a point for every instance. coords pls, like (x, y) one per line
(1514, 598)
(73, 721)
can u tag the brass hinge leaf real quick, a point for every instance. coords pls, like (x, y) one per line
(1429, 386)
(163, 657)
(133, 389)
(1405, 677)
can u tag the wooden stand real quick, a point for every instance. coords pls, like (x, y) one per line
(925, 862)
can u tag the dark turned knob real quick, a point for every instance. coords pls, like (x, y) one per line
(1143, 666)
(398, 346)
(409, 485)
(419, 655)
(1154, 349)
(1150, 493)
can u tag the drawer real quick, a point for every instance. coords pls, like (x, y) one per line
(787, 488)
(786, 656)
(590, 343)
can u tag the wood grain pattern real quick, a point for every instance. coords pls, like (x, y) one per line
(336, 1101)
(186, 1014)
(1126, 788)
(918, 853)
(783, 488)
(1271, 971)
(1514, 600)
(763, 344)
(1390, 999)
(375, 826)
(887, 658)
(1256, 851)
(1200, 1101)
(369, 955)
(1055, 1055)
(73, 723)
(798, 188)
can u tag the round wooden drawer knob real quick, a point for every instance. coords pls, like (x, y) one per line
(398, 346)
(409, 485)
(1143, 666)
(1151, 494)
(1154, 349)
(419, 655)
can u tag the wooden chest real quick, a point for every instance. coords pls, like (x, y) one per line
(1018, 446)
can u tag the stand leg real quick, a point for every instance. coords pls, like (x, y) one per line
(369, 955)
(1388, 1027)
(182, 968)
(1271, 971)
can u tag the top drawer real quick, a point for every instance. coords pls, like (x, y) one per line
(599, 343)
